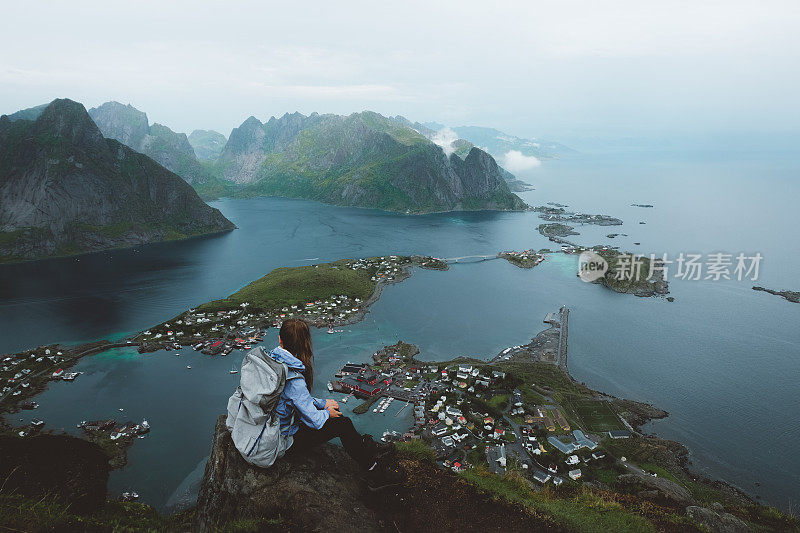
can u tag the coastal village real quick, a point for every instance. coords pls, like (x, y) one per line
(474, 414)
(518, 414)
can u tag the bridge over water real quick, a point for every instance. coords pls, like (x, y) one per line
(470, 258)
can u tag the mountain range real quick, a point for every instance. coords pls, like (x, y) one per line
(66, 189)
(363, 159)
(173, 150)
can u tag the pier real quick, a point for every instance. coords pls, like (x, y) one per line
(562, 338)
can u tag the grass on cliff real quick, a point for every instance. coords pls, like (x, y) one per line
(585, 511)
(20, 513)
(298, 285)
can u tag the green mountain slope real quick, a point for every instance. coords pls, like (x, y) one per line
(364, 159)
(65, 189)
(207, 144)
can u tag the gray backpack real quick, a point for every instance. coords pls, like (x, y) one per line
(252, 418)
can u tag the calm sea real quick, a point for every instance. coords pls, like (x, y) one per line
(722, 359)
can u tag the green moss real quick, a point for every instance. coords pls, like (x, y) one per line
(587, 511)
(417, 448)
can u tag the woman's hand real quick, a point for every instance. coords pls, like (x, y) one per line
(332, 409)
(330, 402)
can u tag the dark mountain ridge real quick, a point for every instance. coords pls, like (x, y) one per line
(173, 150)
(65, 189)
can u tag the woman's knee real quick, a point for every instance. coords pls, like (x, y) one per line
(341, 421)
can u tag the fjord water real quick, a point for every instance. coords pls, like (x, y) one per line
(722, 359)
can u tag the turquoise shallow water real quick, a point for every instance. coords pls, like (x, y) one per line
(722, 359)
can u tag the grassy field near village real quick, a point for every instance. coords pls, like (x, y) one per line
(298, 285)
(596, 416)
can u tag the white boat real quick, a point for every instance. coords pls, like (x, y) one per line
(330, 386)
(188, 367)
(234, 370)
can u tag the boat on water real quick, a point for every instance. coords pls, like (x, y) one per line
(330, 386)
(35, 422)
(70, 376)
(390, 436)
(344, 400)
(234, 370)
(130, 496)
(330, 331)
(188, 367)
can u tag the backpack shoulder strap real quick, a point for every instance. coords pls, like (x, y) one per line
(291, 373)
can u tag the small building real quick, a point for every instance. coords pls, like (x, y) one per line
(439, 429)
(584, 441)
(572, 460)
(541, 477)
(563, 447)
(575, 474)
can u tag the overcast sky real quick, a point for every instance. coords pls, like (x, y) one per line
(561, 69)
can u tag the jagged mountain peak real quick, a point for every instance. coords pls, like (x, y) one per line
(68, 120)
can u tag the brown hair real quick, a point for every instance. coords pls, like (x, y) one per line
(296, 339)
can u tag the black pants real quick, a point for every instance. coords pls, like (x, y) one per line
(354, 444)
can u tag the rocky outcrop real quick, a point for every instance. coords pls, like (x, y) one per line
(658, 489)
(792, 296)
(70, 470)
(363, 159)
(318, 491)
(717, 520)
(66, 190)
(322, 491)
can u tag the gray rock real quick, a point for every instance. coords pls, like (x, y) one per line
(717, 522)
(318, 491)
(667, 491)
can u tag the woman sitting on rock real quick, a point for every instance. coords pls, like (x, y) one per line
(311, 421)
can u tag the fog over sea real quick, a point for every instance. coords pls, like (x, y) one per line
(722, 358)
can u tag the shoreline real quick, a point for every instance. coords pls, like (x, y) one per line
(643, 412)
(633, 414)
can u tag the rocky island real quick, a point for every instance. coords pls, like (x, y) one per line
(556, 229)
(631, 274)
(792, 296)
